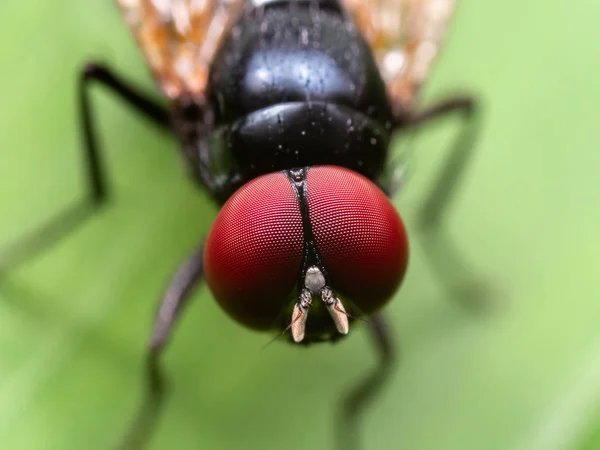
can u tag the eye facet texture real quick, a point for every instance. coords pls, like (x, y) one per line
(254, 251)
(359, 235)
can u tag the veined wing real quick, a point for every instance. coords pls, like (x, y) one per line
(406, 36)
(179, 38)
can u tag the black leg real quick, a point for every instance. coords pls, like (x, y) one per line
(438, 200)
(59, 226)
(139, 434)
(359, 398)
(187, 277)
(462, 282)
(444, 256)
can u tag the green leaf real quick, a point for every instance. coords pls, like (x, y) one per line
(74, 321)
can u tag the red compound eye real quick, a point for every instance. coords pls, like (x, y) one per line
(254, 251)
(359, 235)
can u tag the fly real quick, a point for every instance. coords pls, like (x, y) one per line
(284, 111)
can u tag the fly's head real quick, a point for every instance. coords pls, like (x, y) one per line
(306, 250)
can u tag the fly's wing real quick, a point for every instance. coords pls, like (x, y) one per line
(179, 38)
(406, 36)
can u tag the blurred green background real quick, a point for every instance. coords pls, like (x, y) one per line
(73, 323)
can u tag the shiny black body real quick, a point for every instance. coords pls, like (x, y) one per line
(293, 85)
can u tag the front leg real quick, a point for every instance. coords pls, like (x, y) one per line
(187, 277)
(359, 398)
(448, 180)
(443, 254)
(56, 228)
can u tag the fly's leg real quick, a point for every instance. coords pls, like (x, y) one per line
(438, 200)
(102, 75)
(360, 397)
(186, 278)
(445, 257)
(178, 292)
(59, 226)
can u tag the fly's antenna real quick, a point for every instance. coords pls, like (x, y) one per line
(295, 319)
(362, 319)
(277, 336)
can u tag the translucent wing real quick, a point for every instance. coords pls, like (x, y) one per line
(179, 38)
(406, 36)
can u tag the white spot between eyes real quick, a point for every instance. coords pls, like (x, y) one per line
(314, 280)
